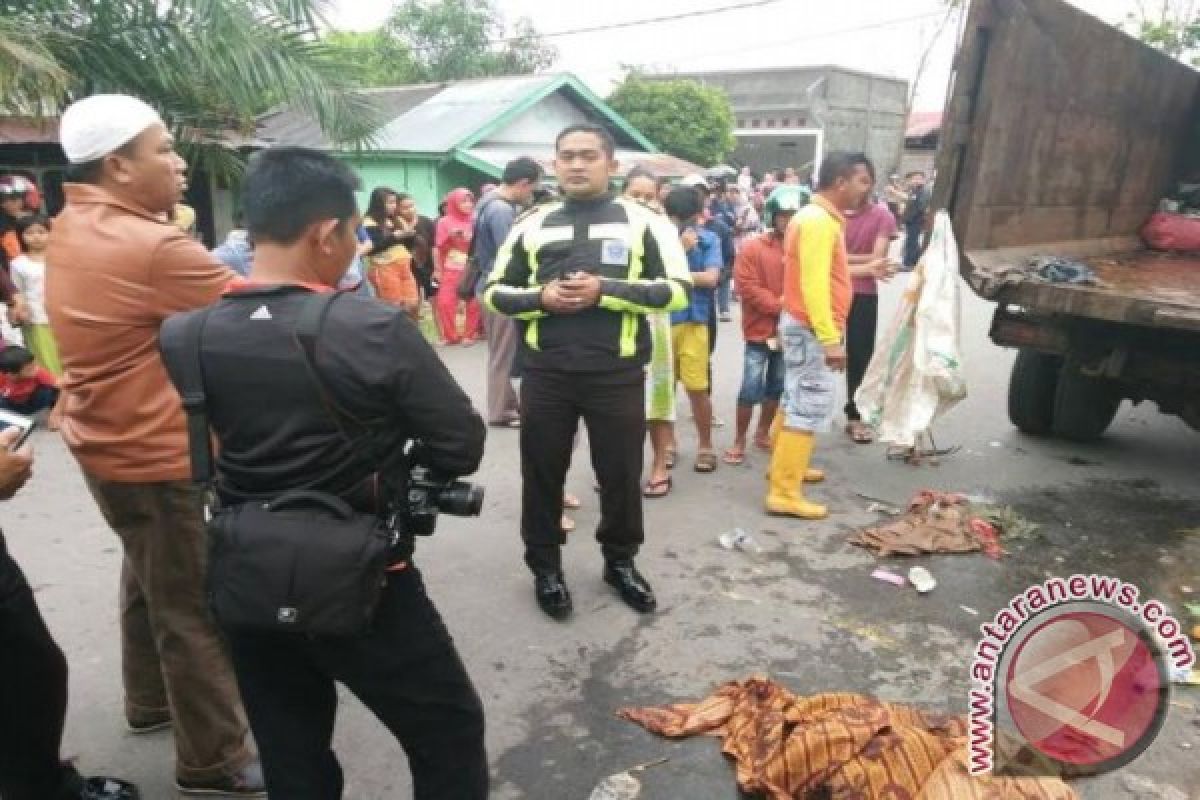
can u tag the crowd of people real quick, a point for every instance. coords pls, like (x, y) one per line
(600, 302)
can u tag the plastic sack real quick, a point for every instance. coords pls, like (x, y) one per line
(916, 374)
(1172, 232)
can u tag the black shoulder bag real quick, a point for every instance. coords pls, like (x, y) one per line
(304, 562)
(474, 272)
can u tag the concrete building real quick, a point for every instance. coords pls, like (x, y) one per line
(791, 116)
(435, 137)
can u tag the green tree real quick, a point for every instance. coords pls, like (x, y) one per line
(1172, 26)
(209, 66)
(383, 60)
(456, 39)
(682, 117)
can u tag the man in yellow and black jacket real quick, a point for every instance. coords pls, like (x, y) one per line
(579, 275)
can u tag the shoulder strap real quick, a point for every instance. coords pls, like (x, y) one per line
(179, 342)
(307, 333)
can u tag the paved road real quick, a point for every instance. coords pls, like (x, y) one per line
(804, 611)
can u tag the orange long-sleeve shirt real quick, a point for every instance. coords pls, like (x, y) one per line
(817, 289)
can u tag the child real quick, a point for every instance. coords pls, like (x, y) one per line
(26, 388)
(452, 243)
(29, 275)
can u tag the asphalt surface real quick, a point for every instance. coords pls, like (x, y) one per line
(805, 611)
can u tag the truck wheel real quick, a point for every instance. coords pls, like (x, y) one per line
(1031, 391)
(1084, 406)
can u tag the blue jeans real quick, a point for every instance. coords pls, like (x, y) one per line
(762, 375)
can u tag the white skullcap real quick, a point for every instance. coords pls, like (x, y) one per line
(96, 126)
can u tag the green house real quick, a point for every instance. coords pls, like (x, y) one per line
(435, 137)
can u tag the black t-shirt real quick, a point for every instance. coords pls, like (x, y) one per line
(273, 430)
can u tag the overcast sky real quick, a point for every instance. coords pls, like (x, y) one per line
(882, 36)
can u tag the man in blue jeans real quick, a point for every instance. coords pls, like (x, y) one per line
(759, 275)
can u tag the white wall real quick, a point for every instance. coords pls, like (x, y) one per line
(540, 124)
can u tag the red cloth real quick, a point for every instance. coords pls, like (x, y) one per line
(454, 229)
(17, 389)
(862, 229)
(1172, 232)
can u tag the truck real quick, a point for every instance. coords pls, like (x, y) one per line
(1061, 136)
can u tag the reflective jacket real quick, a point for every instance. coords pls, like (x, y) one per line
(632, 249)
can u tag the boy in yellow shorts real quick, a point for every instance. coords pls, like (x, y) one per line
(689, 328)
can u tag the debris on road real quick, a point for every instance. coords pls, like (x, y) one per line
(922, 580)
(786, 746)
(887, 576)
(738, 539)
(623, 785)
(935, 522)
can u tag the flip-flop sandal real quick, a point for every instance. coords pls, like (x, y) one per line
(706, 462)
(734, 458)
(567, 524)
(763, 443)
(661, 488)
(860, 433)
(571, 502)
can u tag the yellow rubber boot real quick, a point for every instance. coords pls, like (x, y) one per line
(789, 465)
(811, 474)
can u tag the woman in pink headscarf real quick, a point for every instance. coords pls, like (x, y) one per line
(451, 243)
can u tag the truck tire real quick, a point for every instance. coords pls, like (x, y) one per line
(1084, 406)
(1031, 391)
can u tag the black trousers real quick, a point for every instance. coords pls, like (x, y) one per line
(912, 243)
(33, 696)
(612, 405)
(406, 671)
(860, 345)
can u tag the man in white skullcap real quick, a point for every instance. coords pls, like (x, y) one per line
(115, 270)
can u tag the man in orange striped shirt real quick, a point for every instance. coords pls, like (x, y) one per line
(816, 301)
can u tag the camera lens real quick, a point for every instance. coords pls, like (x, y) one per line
(462, 499)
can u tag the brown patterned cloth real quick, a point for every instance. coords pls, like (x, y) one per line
(838, 746)
(936, 522)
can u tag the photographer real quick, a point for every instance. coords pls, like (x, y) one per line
(280, 417)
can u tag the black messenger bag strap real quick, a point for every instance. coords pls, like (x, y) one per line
(307, 333)
(179, 341)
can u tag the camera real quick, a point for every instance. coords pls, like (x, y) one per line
(429, 493)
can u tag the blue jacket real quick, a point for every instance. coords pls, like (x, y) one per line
(704, 256)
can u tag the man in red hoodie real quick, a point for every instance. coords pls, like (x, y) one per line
(759, 276)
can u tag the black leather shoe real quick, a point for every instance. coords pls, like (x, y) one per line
(553, 597)
(108, 789)
(246, 783)
(635, 591)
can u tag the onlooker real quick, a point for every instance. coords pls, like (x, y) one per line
(690, 326)
(266, 410)
(236, 252)
(389, 261)
(25, 387)
(869, 231)
(790, 176)
(581, 303)
(494, 218)
(745, 181)
(29, 276)
(114, 273)
(422, 244)
(916, 207)
(746, 221)
(452, 244)
(817, 295)
(33, 694)
(759, 274)
(641, 185)
(12, 208)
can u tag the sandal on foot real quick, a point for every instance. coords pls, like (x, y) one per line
(706, 462)
(571, 501)
(734, 457)
(567, 524)
(762, 442)
(860, 432)
(660, 488)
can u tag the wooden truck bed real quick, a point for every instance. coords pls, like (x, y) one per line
(1138, 286)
